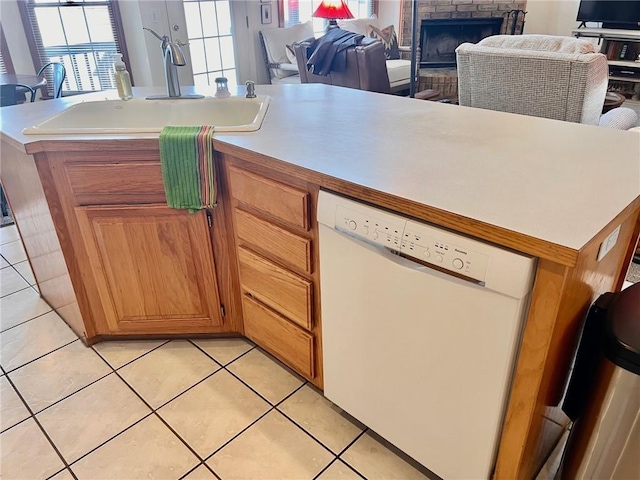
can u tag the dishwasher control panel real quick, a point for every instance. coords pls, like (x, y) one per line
(413, 239)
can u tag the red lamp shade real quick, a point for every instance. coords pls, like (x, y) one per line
(332, 10)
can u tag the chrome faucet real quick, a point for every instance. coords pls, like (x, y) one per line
(173, 57)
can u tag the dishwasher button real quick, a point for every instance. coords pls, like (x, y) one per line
(365, 230)
(457, 263)
(353, 225)
(427, 253)
(375, 235)
(439, 258)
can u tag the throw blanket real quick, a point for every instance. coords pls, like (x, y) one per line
(330, 51)
(188, 171)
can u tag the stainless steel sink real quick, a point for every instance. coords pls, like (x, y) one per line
(232, 114)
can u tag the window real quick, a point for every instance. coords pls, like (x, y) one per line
(83, 35)
(299, 11)
(210, 32)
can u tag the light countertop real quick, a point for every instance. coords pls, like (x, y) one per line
(555, 181)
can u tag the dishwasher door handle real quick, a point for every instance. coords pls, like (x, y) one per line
(384, 252)
(405, 261)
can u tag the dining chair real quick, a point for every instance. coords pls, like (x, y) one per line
(57, 75)
(11, 93)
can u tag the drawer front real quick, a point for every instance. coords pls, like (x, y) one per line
(274, 198)
(280, 289)
(286, 246)
(275, 334)
(113, 183)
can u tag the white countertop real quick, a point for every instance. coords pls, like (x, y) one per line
(556, 181)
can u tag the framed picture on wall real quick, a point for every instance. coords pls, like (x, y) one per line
(265, 13)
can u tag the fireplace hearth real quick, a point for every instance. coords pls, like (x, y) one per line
(439, 38)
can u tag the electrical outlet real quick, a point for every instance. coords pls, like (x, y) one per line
(608, 243)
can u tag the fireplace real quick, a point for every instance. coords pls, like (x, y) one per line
(439, 38)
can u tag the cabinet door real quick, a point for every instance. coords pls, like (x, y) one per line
(153, 267)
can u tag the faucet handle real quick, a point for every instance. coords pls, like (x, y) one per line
(251, 89)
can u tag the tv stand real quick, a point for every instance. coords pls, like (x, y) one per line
(622, 48)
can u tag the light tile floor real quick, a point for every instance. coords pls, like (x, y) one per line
(179, 409)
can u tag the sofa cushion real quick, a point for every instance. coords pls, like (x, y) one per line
(359, 25)
(389, 39)
(399, 72)
(276, 41)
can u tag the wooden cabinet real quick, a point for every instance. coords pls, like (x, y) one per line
(153, 268)
(137, 266)
(275, 236)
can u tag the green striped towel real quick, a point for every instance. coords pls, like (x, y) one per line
(188, 170)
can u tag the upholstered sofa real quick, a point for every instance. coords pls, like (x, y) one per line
(399, 70)
(562, 78)
(365, 67)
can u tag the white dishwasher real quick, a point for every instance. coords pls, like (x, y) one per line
(420, 332)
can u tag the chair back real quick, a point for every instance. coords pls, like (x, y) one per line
(366, 67)
(14, 93)
(275, 44)
(55, 77)
(539, 75)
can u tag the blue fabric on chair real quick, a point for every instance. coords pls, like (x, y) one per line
(57, 76)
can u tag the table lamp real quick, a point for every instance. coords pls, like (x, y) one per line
(333, 10)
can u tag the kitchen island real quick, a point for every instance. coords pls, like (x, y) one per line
(549, 189)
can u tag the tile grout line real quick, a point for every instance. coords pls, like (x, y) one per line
(130, 361)
(44, 432)
(71, 394)
(13, 265)
(274, 406)
(157, 415)
(41, 356)
(19, 290)
(22, 323)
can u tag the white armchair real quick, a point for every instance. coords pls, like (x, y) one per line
(562, 78)
(277, 48)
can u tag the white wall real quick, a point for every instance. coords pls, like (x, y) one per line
(551, 17)
(389, 13)
(16, 39)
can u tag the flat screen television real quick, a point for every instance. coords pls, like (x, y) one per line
(613, 13)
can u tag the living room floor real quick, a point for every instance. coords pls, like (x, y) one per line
(192, 409)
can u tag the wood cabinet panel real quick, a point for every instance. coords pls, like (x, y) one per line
(282, 244)
(275, 334)
(285, 292)
(153, 267)
(288, 204)
(116, 183)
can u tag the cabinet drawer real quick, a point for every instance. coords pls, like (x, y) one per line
(116, 183)
(277, 199)
(286, 246)
(280, 289)
(274, 333)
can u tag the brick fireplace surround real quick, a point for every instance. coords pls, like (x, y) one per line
(445, 80)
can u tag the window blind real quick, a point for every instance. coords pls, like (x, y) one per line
(83, 35)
